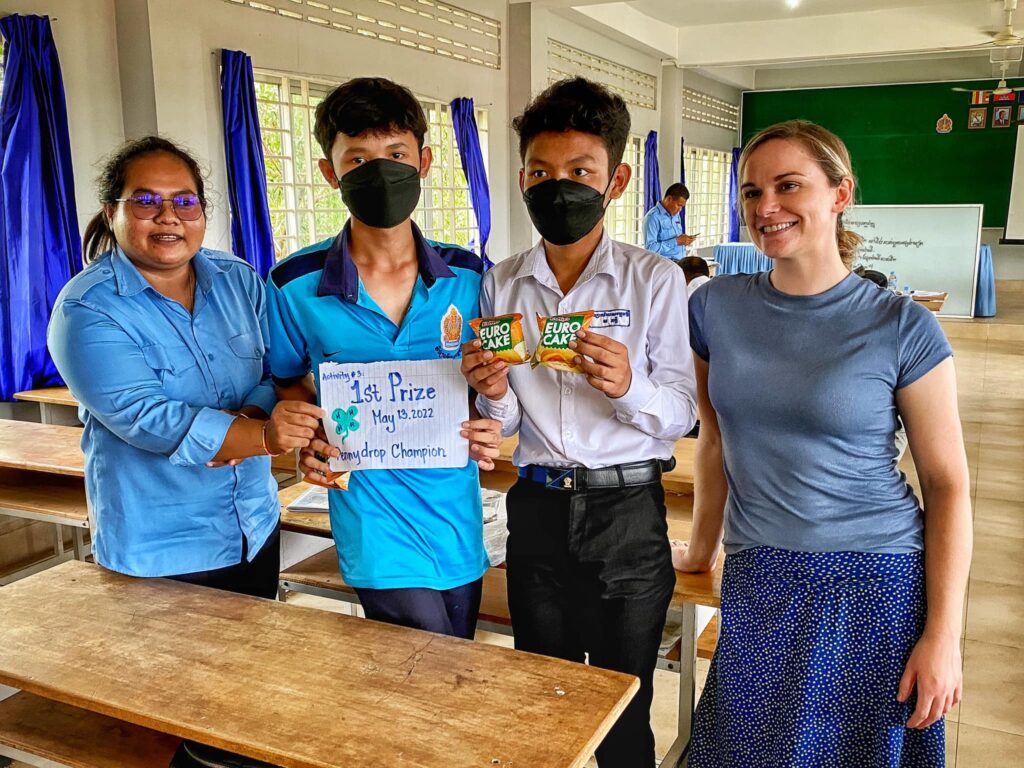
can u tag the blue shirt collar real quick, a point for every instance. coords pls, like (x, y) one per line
(130, 281)
(341, 278)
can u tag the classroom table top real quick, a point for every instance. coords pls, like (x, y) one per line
(679, 480)
(48, 395)
(46, 448)
(699, 588)
(297, 687)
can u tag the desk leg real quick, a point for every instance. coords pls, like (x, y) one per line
(675, 757)
(58, 541)
(79, 542)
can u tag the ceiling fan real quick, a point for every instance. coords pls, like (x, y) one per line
(1001, 88)
(1005, 36)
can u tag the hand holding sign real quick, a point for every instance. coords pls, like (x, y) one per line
(395, 415)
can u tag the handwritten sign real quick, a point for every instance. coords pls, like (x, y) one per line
(927, 247)
(395, 415)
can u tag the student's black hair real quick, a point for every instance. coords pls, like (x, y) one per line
(99, 237)
(875, 277)
(677, 190)
(694, 266)
(580, 105)
(368, 104)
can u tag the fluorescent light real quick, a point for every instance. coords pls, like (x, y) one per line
(791, 4)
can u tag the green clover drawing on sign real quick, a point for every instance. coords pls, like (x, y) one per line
(345, 421)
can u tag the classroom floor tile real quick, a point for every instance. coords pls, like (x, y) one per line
(993, 688)
(986, 748)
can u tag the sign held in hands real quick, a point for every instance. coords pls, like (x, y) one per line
(395, 415)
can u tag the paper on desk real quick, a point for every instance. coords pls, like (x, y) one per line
(395, 415)
(313, 500)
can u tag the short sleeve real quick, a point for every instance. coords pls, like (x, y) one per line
(922, 344)
(698, 306)
(289, 359)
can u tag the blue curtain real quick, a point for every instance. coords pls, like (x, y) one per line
(40, 248)
(252, 236)
(682, 179)
(467, 138)
(652, 180)
(734, 197)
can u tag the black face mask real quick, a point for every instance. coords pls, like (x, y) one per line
(381, 193)
(564, 211)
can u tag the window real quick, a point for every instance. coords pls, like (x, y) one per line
(707, 178)
(304, 209)
(625, 216)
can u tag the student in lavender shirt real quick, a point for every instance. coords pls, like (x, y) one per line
(842, 594)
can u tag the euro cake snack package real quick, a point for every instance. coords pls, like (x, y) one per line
(555, 334)
(502, 335)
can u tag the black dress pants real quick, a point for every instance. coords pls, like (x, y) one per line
(590, 572)
(258, 577)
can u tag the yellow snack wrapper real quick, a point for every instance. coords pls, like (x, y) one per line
(555, 334)
(502, 335)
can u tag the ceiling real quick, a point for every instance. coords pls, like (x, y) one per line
(733, 39)
(682, 13)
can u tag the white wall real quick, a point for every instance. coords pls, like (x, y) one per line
(826, 75)
(84, 33)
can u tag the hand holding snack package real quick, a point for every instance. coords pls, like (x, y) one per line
(502, 335)
(555, 334)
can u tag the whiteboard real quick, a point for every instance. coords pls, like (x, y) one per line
(929, 247)
(1015, 216)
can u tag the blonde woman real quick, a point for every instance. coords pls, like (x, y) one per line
(841, 596)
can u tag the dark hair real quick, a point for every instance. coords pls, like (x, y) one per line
(694, 266)
(874, 276)
(677, 190)
(99, 237)
(580, 105)
(368, 104)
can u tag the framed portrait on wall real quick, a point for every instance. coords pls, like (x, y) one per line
(1020, 114)
(977, 118)
(1001, 117)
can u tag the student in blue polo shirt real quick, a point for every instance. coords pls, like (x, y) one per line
(409, 541)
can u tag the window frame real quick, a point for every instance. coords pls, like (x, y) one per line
(707, 178)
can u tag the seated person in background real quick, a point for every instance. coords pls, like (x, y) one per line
(663, 231)
(410, 541)
(697, 272)
(162, 341)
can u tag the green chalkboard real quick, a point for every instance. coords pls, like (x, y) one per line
(898, 156)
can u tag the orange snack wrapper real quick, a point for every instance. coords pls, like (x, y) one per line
(502, 335)
(555, 334)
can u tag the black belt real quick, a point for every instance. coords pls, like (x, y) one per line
(582, 479)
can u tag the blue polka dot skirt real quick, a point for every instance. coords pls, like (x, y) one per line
(809, 659)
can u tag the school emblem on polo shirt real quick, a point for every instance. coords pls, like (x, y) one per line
(451, 329)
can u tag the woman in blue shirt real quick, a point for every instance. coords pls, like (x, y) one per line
(842, 595)
(162, 341)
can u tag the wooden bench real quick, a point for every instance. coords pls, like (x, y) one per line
(318, 575)
(32, 727)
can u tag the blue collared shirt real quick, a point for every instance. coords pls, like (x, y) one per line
(399, 528)
(660, 232)
(154, 382)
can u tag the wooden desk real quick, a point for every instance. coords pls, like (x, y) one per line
(297, 687)
(56, 404)
(679, 480)
(691, 590)
(48, 448)
(41, 478)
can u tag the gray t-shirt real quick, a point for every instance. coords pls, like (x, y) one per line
(805, 392)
